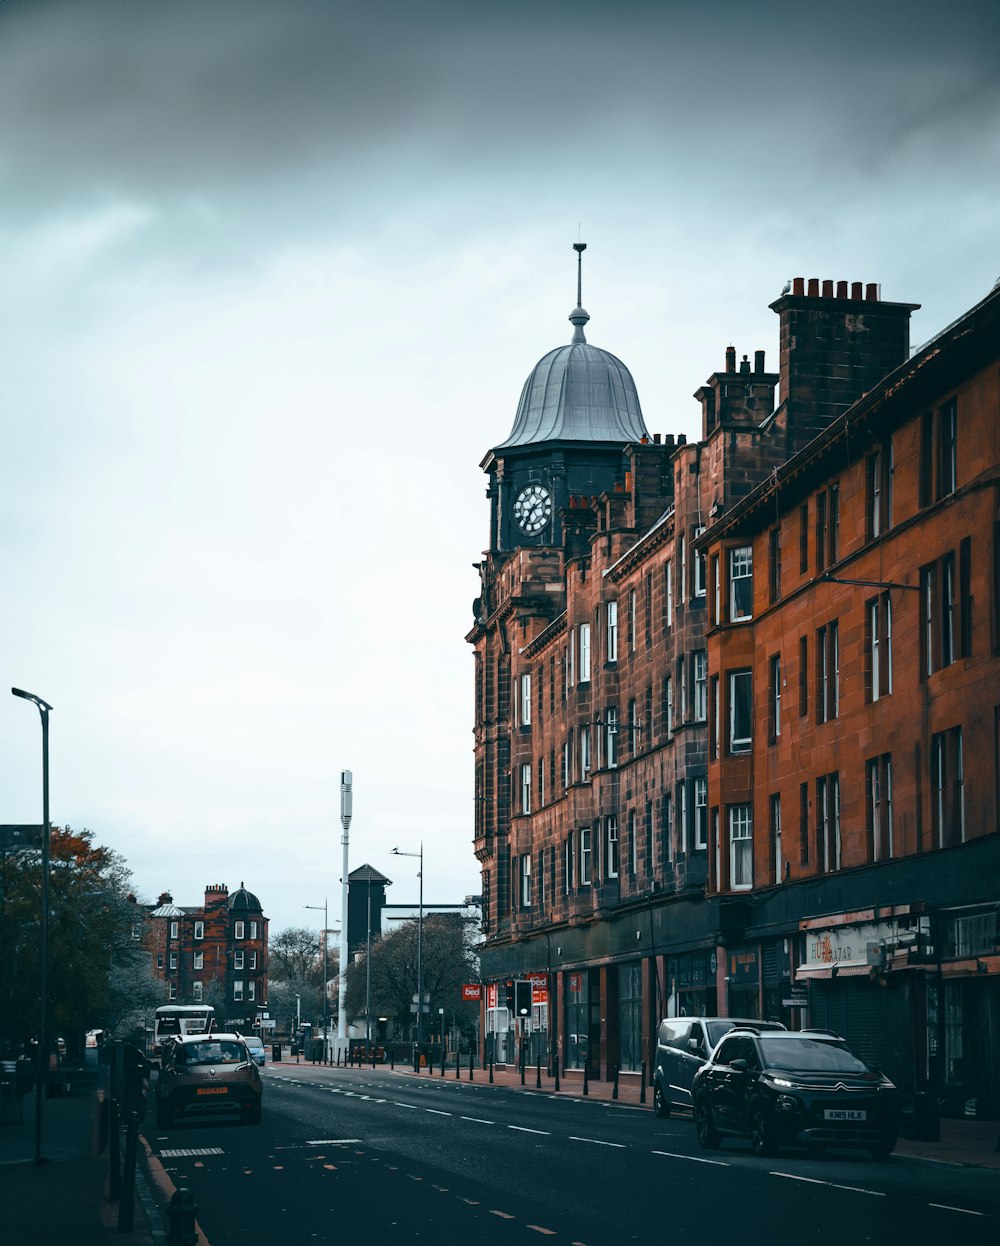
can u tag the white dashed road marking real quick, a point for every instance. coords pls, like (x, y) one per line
(597, 1142)
(964, 1210)
(698, 1159)
(478, 1120)
(833, 1185)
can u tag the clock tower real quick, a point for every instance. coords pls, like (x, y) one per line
(578, 413)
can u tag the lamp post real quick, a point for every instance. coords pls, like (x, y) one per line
(346, 811)
(420, 941)
(43, 708)
(326, 932)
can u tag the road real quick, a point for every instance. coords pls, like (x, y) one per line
(395, 1158)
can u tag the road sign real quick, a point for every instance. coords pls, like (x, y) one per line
(425, 1008)
(14, 837)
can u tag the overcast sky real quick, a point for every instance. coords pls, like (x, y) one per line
(272, 276)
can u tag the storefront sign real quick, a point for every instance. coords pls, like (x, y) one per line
(845, 945)
(471, 991)
(491, 995)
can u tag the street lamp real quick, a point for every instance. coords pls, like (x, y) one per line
(420, 941)
(43, 708)
(326, 931)
(346, 811)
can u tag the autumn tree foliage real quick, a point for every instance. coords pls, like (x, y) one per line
(98, 968)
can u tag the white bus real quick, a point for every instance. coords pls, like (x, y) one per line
(173, 1020)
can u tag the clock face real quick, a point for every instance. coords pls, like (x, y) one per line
(533, 508)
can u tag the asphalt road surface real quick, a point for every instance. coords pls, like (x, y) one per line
(377, 1157)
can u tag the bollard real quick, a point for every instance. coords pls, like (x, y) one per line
(491, 1068)
(181, 1229)
(538, 1073)
(523, 1055)
(586, 1080)
(471, 1058)
(555, 1065)
(458, 1065)
(373, 1057)
(392, 1058)
(442, 1059)
(614, 1089)
(642, 1084)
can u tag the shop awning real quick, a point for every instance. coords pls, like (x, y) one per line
(820, 972)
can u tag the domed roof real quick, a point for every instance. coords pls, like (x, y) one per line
(243, 901)
(577, 393)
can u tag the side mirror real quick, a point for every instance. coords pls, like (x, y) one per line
(694, 1044)
(740, 1065)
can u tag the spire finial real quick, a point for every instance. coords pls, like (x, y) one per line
(578, 317)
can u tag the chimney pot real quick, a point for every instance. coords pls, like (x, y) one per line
(682, 439)
(758, 361)
(855, 289)
(828, 289)
(842, 289)
(744, 364)
(730, 358)
(668, 439)
(871, 292)
(799, 285)
(814, 287)
(656, 439)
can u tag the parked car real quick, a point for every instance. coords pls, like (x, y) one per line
(208, 1073)
(683, 1044)
(256, 1048)
(805, 1088)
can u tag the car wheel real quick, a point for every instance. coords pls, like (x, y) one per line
(661, 1104)
(761, 1136)
(884, 1149)
(708, 1137)
(252, 1115)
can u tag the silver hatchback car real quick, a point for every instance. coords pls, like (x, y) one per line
(683, 1044)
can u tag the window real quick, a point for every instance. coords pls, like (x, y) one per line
(238, 930)
(584, 753)
(585, 854)
(803, 538)
(611, 737)
(196, 992)
(740, 848)
(541, 782)
(716, 849)
(878, 646)
(524, 864)
(938, 453)
(253, 960)
(566, 761)
(571, 661)
(159, 960)
(682, 817)
(668, 703)
(716, 591)
(740, 711)
(172, 990)
(774, 564)
(827, 672)
(199, 930)
(632, 846)
(611, 846)
(633, 727)
(776, 863)
(173, 960)
(251, 990)
(238, 990)
(667, 826)
(237, 960)
(947, 439)
(740, 583)
(803, 675)
(878, 787)
(612, 612)
(569, 872)
(525, 700)
(173, 930)
(878, 499)
(833, 550)
(526, 787)
(943, 636)
(648, 612)
(701, 812)
(804, 823)
(682, 700)
(700, 685)
(828, 823)
(947, 788)
(584, 653)
(199, 960)
(713, 737)
(668, 594)
(699, 567)
(822, 531)
(682, 566)
(633, 606)
(774, 696)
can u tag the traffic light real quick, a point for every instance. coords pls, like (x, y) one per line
(522, 999)
(509, 995)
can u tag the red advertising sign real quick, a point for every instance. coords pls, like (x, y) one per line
(539, 980)
(491, 995)
(472, 990)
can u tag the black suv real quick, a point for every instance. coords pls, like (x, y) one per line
(783, 1088)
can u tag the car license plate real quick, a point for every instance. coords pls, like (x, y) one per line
(213, 1090)
(845, 1114)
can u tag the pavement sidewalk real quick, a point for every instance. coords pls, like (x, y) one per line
(65, 1200)
(962, 1142)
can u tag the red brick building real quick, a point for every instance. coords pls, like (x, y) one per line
(216, 952)
(622, 778)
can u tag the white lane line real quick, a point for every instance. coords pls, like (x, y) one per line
(331, 1141)
(187, 1152)
(522, 1129)
(538, 1229)
(438, 1112)
(597, 1142)
(415, 1107)
(833, 1185)
(696, 1159)
(502, 1214)
(964, 1210)
(477, 1119)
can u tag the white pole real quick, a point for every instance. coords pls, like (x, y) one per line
(346, 809)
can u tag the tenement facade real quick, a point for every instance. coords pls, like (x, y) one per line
(663, 829)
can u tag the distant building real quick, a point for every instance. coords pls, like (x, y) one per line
(366, 885)
(216, 953)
